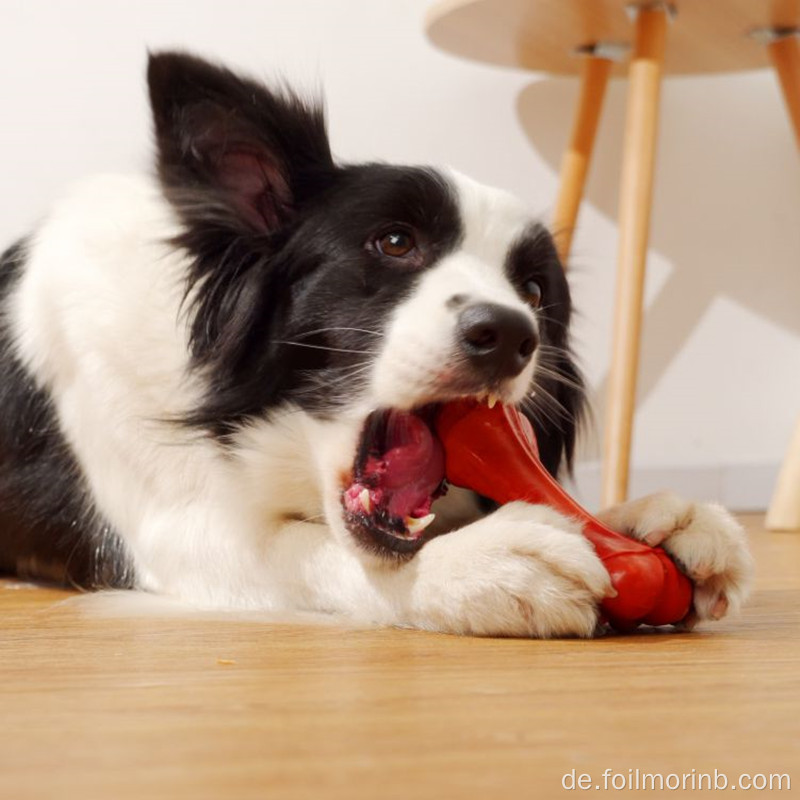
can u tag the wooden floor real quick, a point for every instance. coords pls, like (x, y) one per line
(201, 708)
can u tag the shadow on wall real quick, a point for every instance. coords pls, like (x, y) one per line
(726, 207)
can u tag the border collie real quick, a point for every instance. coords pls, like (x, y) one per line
(194, 369)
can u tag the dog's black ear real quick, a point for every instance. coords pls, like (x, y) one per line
(258, 152)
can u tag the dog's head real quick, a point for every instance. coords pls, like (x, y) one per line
(363, 295)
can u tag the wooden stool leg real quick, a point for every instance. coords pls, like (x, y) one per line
(785, 55)
(784, 510)
(575, 163)
(636, 188)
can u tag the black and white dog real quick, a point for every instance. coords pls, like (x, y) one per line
(200, 374)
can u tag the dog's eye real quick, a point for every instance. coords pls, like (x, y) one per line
(396, 243)
(533, 293)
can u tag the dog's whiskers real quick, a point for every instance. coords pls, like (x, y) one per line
(336, 329)
(338, 386)
(556, 375)
(552, 349)
(320, 347)
(541, 312)
(344, 373)
(545, 403)
(540, 415)
(304, 521)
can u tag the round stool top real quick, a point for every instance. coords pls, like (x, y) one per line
(542, 35)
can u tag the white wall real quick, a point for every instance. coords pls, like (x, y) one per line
(720, 382)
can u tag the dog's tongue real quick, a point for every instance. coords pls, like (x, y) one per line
(412, 467)
(410, 445)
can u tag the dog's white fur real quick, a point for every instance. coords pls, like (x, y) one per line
(98, 319)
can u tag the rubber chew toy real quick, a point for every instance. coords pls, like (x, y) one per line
(493, 451)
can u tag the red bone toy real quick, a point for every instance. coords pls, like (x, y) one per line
(493, 451)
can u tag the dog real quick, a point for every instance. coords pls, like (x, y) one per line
(202, 373)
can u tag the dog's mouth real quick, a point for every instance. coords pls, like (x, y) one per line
(399, 472)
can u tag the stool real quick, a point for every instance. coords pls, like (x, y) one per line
(591, 37)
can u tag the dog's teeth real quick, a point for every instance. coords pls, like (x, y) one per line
(366, 503)
(418, 524)
(492, 400)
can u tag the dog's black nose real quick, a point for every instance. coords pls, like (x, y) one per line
(497, 340)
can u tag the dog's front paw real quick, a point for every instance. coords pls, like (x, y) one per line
(703, 538)
(522, 571)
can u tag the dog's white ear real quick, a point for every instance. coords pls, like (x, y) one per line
(258, 152)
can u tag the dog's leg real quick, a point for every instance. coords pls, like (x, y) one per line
(522, 571)
(705, 540)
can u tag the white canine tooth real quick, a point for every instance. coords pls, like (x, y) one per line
(366, 503)
(491, 400)
(418, 524)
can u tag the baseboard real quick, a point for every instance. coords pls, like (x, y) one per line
(740, 487)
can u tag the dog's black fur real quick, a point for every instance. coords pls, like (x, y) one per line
(280, 258)
(284, 272)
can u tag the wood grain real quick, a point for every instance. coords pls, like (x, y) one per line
(706, 36)
(578, 155)
(635, 201)
(96, 707)
(784, 509)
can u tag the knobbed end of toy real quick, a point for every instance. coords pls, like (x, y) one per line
(675, 601)
(639, 581)
(492, 450)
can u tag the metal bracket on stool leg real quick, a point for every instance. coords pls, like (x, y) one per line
(610, 51)
(633, 9)
(770, 35)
